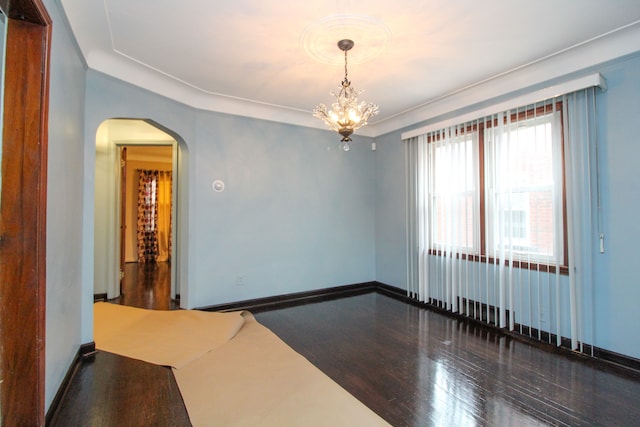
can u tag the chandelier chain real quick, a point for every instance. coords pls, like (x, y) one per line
(345, 66)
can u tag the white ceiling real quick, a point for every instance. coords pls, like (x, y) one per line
(249, 57)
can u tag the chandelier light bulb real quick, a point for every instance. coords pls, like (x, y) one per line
(346, 114)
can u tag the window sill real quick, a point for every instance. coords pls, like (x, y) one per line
(525, 265)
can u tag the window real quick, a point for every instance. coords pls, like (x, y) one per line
(454, 193)
(511, 191)
(496, 187)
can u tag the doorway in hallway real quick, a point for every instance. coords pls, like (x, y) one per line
(147, 285)
(146, 232)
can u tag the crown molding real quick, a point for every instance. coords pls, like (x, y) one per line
(604, 48)
(607, 47)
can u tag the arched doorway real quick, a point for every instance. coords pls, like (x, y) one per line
(113, 138)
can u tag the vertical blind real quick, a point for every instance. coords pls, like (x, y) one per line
(500, 217)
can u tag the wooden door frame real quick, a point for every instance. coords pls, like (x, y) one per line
(122, 151)
(119, 226)
(23, 215)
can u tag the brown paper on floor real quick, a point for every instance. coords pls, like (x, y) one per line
(257, 380)
(168, 338)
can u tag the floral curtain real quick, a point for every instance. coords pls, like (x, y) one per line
(164, 216)
(147, 216)
(154, 216)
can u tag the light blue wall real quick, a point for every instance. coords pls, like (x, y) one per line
(3, 29)
(391, 211)
(617, 272)
(65, 296)
(297, 214)
(616, 296)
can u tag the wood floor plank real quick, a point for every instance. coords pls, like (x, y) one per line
(415, 367)
(111, 390)
(147, 286)
(412, 366)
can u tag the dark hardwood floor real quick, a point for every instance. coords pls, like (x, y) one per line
(415, 367)
(412, 366)
(111, 390)
(147, 286)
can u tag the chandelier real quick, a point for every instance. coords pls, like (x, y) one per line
(346, 115)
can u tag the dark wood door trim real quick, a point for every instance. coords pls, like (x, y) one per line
(23, 212)
(123, 213)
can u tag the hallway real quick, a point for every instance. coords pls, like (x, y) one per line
(147, 286)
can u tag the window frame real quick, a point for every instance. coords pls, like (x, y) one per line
(482, 254)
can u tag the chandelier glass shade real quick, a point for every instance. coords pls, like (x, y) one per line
(346, 114)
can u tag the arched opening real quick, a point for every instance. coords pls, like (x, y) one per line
(124, 148)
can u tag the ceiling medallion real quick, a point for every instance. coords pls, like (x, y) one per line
(318, 40)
